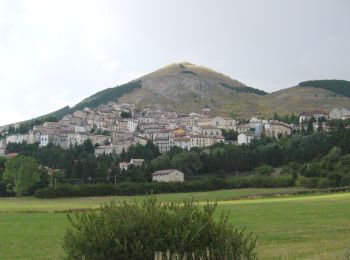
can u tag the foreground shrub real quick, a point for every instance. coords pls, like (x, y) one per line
(149, 229)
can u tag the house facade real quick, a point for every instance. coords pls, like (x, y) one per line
(171, 175)
(245, 138)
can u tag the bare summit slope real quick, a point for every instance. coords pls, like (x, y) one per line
(186, 87)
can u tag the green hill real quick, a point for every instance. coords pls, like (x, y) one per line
(339, 87)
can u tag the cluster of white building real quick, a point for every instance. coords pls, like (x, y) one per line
(110, 132)
(341, 113)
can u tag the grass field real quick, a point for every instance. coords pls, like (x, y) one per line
(300, 227)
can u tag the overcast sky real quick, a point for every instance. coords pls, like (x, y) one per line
(55, 53)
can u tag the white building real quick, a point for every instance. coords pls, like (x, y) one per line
(200, 141)
(100, 139)
(67, 139)
(342, 113)
(171, 175)
(109, 149)
(17, 138)
(132, 125)
(183, 142)
(211, 131)
(276, 129)
(164, 140)
(34, 137)
(137, 162)
(306, 116)
(105, 149)
(2, 147)
(44, 140)
(245, 138)
(123, 166)
(79, 129)
(204, 141)
(224, 123)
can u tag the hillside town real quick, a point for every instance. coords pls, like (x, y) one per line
(114, 127)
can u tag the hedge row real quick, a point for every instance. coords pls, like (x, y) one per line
(141, 188)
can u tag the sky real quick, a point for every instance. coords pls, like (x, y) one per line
(55, 53)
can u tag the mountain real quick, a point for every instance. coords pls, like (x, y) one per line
(309, 95)
(186, 87)
(183, 87)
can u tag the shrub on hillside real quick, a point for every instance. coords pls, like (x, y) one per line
(152, 229)
(264, 170)
(309, 182)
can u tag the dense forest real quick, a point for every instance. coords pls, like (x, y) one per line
(340, 87)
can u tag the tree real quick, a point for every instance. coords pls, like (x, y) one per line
(320, 127)
(125, 114)
(230, 135)
(331, 158)
(188, 162)
(161, 162)
(147, 152)
(2, 167)
(264, 170)
(310, 126)
(22, 173)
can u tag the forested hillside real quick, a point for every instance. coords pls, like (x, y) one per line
(340, 87)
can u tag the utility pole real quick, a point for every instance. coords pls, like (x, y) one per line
(115, 181)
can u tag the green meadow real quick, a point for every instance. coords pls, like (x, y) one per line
(288, 227)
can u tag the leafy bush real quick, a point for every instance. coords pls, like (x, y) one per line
(152, 229)
(264, 170)
(307, 182)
